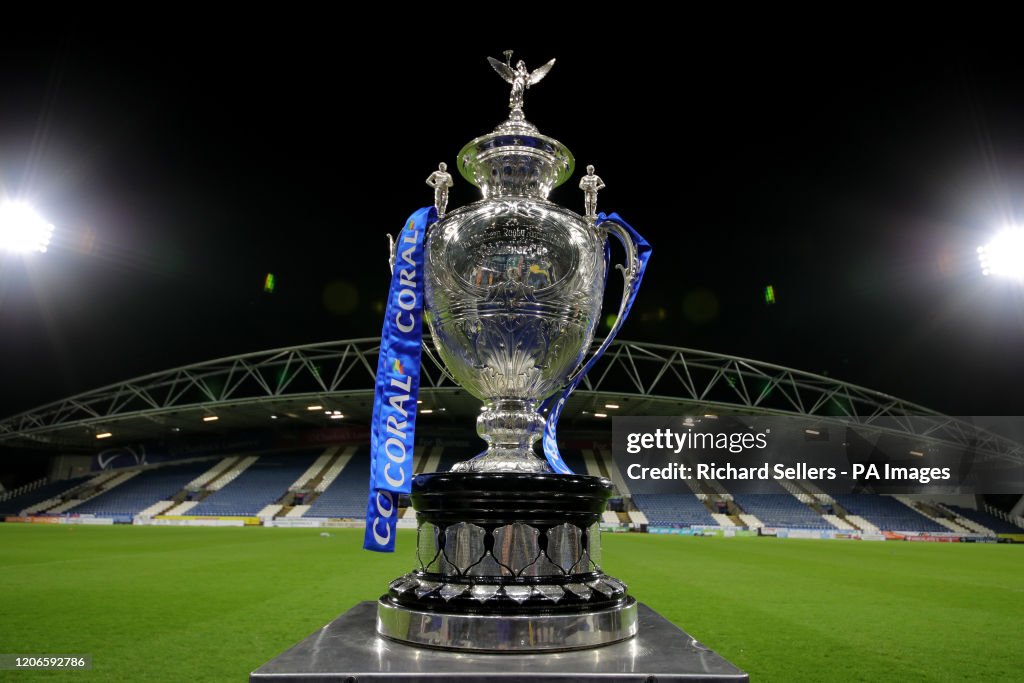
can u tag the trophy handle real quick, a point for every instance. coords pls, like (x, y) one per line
(630, 271)
(437, 361)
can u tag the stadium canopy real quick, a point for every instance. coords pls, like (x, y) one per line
(314, 384)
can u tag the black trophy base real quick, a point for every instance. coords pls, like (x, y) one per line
(349, 650)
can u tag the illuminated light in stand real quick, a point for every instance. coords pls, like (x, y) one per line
(22, 230)
(337, 416)
(1004, 255)
(426, 411)
(917, 453)
(210, 418)
(612, 406)
(812, 432)
(104, 435)
(313, 408)
(273, 417)
(600, 415)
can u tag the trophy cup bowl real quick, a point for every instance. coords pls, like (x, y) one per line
(513, 290)
(508, 552)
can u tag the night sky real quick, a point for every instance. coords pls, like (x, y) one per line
(858, 183)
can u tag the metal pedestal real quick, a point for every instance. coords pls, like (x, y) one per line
(349, 650)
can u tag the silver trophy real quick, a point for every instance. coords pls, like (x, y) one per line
(508, 551)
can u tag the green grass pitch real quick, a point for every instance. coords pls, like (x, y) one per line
(211, 604)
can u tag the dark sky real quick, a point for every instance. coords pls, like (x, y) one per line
(857, 182)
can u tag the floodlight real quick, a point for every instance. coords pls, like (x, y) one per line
(23, 230)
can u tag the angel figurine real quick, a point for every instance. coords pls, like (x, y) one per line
(520, 78)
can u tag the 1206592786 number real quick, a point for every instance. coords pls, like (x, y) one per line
(10, 662)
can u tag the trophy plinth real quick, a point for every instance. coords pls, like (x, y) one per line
(508, 562)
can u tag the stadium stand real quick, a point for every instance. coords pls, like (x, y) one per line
(270, 511)
(638, 518)
(140, 492)
(209, 475)
(35, 497)
(253, 485)
(750, 521)
(313, 470)
(592, 466)
(232, 473)
(886, 513)
(673, 509)
(838, 522)
(7, 494)
(429, 464)
(990, 523)
(332, 472)
(157, 508)
(937, 514)
(620, 484)
(954, 526)
(780, 509)
(346, 494)
(182, 508)
(722, 520)
(862, 524)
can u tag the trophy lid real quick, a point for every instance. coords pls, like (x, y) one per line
(515, 159)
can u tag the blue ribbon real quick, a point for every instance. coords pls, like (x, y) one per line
(643, 250)
(393, 425)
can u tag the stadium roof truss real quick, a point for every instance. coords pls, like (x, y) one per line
(643, 379)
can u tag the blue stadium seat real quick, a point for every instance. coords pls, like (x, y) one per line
(346, 496)
(673, 509)
(263, 483)
(780, 509)
(142, 490)
(992, 522)
(15, 505)
(888, 514)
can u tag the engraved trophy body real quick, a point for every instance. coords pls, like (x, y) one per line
(513, 290)
(508, 551)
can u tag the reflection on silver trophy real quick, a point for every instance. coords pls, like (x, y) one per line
(508, 543)
(514, 283)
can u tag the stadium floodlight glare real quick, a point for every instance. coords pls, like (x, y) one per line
(1004, 255)
(23, 230)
